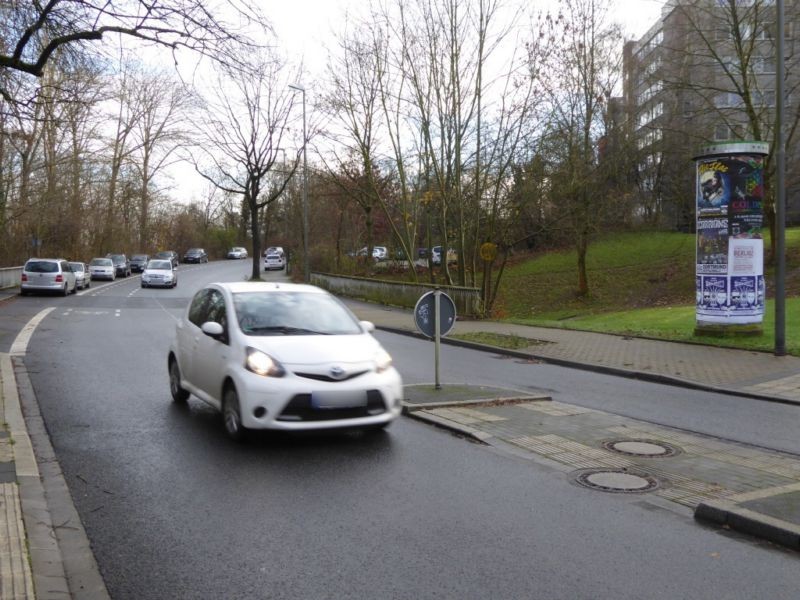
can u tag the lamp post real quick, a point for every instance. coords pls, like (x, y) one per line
(306, 268)
(780, 194)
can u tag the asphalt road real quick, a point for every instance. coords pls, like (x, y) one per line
(175, 510)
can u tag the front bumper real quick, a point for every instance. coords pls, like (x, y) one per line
(285, 403)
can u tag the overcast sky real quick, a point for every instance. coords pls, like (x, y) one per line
(304, 26)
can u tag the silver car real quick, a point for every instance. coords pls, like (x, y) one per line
(47, 275)
(159, 273)
(82, 277)
(102, 268)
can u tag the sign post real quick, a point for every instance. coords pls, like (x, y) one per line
(435, 315)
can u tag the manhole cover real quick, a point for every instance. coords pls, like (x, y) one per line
(644, 448)
(617, 481)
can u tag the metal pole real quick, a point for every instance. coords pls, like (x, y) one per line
(438, 335)
(780, 192)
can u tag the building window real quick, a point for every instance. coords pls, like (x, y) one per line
(722, 132)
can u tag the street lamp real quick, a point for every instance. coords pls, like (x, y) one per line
(306, 268)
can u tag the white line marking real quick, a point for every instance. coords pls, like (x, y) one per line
(20, 345)
(116, 313)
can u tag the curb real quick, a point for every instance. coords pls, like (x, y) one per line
(730, 513)
(603, 369)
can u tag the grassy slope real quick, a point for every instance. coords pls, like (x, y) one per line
(640, 284)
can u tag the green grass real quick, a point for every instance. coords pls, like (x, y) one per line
(641, 284)
(501, 340)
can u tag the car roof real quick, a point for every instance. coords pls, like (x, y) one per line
(238, 287)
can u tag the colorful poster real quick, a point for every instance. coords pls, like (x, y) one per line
(712, 246)
(730, 252)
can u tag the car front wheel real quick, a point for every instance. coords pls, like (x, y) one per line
(178, 393)
(232, 415)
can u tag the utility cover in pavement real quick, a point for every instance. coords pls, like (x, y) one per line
(617, 481)
(643, 448)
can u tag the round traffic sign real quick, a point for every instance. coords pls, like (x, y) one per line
(425, 313)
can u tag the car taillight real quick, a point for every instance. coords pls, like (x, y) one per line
(24, 277)
(59, 278)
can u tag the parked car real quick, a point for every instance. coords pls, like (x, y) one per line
(102, 268)
(139, 262)
(436, 256)
(121, 265)
(169, 255)
(378, 252)
(195, 255)
(237, 252)
(159, 273)
(83, 279)
(47, 275)
(282, 356)
(275, 250)
(274, 260)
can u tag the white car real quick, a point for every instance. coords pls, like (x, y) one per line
(82, 278)
(274, 260)
(159, 273)
(102, 268)
(237, 252)
(282, 356)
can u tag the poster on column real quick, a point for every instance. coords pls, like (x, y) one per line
(712, 246)
(746, 270)
(713, 305)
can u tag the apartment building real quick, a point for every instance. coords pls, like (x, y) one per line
(704, 73)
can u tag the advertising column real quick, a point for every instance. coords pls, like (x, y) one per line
(730, 252)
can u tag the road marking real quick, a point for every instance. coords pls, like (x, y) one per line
(20, 345)
(116, 312)
(66, 312)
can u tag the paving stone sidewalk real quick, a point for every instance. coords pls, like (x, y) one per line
(753, 490)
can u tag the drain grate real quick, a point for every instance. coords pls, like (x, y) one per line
(642, 448)
(618, 481)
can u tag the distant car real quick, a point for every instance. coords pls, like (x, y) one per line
(282, 356)
(436, 255)
(159, 273)
(275, 250)
(274, 260)
(378, 252)
(195, 255)
(83, 278)
(169, 255)
(139, 262)
(47, 275)
(237, 252)
(102, 268)
(121, 265)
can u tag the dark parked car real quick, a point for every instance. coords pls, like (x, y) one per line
(139, 262)
(121, 265)
(168, 255)
(195, 255)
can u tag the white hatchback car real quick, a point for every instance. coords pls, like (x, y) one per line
(47, 275)
(282, 356)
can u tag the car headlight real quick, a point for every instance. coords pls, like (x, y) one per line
(382, 361)
(263, 364)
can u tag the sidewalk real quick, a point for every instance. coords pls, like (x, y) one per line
(737, 486)
(733, 485)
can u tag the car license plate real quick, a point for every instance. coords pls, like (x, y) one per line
(339, 399)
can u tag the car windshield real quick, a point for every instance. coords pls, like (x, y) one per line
(293, 313)
(101, 262)
(118, 258)
(139, 257)
(159, 265)
(41, 266)
(76, 266)
(164, 255)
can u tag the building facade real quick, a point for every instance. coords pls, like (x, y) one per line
(705, 73)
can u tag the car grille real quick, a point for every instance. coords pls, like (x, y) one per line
(323, 377)
(299, 409)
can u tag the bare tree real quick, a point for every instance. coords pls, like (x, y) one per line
(246, 121)
(584, 67)
(35, 31)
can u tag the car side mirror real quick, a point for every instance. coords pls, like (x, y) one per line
(367, 326)
(213, 329)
